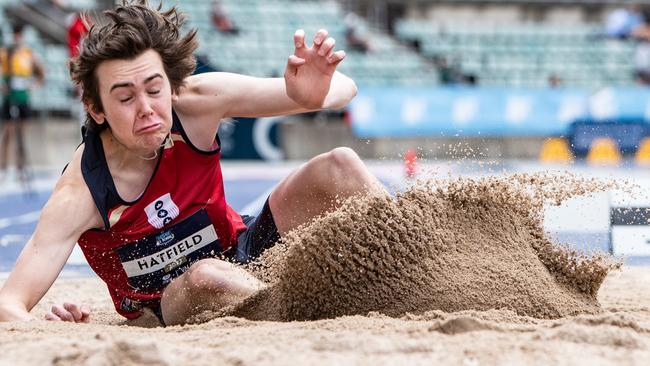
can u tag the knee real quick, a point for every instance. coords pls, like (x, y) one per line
(342, 163)
(340, 172)
(207, 275)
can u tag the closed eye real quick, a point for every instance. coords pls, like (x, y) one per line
(154, 91)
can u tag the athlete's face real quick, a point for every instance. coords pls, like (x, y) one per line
(137, 100)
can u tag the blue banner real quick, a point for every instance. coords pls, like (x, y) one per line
(489, 111)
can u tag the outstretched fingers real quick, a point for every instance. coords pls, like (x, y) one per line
(336, 57)
(320, 36)
(322, 49)
(293, 63)
(295, 60)
(326, 46)
(299, 39)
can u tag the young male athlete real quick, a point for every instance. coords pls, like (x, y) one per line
(143, 195)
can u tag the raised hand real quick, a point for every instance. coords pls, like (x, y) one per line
(69, 313)
(310, 69)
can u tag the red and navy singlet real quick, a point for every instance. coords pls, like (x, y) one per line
(181, 217)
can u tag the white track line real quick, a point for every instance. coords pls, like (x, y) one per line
(20, 219)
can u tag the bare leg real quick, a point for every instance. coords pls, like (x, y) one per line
(22, 159)
(314, 188)
(7, 136)
(21, 154)
(209, 284)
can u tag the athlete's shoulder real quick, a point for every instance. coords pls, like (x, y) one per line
(73, 170)
(71, 182)
(71, 190)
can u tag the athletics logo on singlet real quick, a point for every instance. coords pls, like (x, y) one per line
(161, 211)
(152, 262)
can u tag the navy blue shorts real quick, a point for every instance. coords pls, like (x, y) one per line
(15, 112)
(260, 234)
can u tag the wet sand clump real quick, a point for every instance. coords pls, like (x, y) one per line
(457, 245)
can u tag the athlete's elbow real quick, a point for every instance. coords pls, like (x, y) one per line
(353, 91)
(345, 96)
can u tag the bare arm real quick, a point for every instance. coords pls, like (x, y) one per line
(68, 213)
(39, 69)
(248, 96)
(311, 82)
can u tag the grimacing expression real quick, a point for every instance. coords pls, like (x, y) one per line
(137, 101)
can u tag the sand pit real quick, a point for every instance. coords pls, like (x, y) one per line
(619, 335)
(458, 272)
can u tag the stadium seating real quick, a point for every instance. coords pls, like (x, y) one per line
(515, 55)
(266, 39)
(527, 54)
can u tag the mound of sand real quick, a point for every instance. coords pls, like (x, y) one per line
(454, 245)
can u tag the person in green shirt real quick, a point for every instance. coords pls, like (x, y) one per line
(21, 71)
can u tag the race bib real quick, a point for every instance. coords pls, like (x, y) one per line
(152, 262)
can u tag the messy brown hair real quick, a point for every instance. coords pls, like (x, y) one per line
(125, 33)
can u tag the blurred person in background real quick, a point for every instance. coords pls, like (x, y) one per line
(220, 18)
(143, 194)
(22, 71)
(621, 22)
(448, 74)
(469, 79)
(77, 30)
(641, 33)
(554, 81)
(355, 38)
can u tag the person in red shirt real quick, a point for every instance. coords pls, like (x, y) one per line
(76, 31)
(143, 195)
(220, 19)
